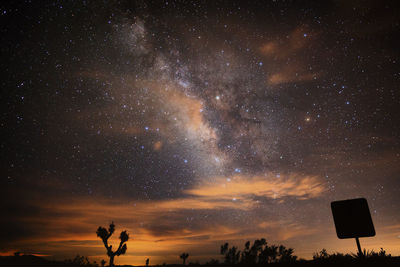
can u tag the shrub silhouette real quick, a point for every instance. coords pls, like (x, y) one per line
(184, 256)
(258, 253)
(105, 234)
(371, 254)
(77, 261)
(367, 257)
(382, 253)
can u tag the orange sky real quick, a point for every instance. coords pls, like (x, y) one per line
(159, 230)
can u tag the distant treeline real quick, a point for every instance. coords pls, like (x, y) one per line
(257, 254)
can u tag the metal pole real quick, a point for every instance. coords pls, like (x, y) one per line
(359, 247)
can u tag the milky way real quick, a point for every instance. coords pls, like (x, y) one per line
(198, 123)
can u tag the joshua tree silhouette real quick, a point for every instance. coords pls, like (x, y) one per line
(147, 262)
(184, 256)
(105, 234)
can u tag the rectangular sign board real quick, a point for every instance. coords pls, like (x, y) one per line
(352, 218)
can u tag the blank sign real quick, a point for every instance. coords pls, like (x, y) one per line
(352, 218)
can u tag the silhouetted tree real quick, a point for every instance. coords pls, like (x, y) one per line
(268, 254)
(250, 255)
(246, 253)
(147, 261)
(286, 254)
(103, 263)
(184, 256)
(105, 234)
(256, 249)
(232, 255)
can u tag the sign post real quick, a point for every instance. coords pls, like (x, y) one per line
(359, 247)
(352, 220)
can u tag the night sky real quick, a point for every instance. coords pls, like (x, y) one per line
(195, 123)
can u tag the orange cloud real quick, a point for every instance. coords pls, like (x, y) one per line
(75, 233)
(295, 41)
(287, 53)
(242, 188)
(291, 74)
(160, 228)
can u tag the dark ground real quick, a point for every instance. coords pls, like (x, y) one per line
(34, 261)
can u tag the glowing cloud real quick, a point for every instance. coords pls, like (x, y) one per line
(242, 187)
(287, 55)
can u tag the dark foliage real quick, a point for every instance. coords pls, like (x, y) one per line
(80, 261)
(320, 259)
(258, 253)
(367, 258)
(34, 261)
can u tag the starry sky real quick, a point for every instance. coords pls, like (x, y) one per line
(195, 123)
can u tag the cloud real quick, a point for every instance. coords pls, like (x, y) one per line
(287, 55)
(65, 226)
(242, 188)
(160, 230)
(291, 73)
(297, 40)
(393, 227)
